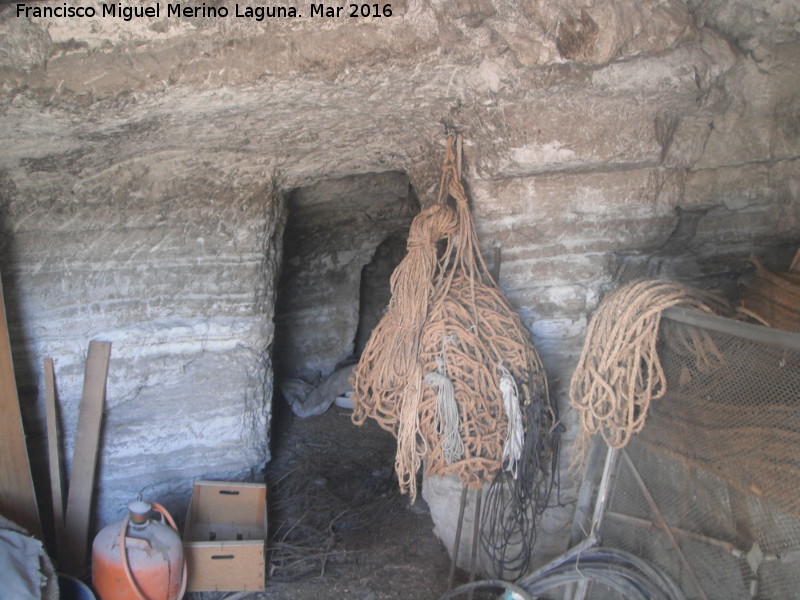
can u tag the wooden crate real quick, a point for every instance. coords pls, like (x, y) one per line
(225, 535)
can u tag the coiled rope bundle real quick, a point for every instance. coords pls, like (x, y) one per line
(449, 322)
(619, 373)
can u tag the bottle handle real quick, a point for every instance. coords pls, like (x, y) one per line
(124, 554)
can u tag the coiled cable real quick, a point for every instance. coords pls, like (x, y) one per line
(513, 507)
(490, 584)
(622, 571)
(625, 573)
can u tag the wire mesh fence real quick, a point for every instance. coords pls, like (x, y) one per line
(710, 489)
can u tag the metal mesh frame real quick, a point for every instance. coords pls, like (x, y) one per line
(719, 459)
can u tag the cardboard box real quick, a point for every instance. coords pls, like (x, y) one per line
(225, 537)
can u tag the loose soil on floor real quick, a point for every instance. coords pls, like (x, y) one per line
(339, 527)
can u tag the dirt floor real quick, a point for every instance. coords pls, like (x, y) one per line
(339, 526)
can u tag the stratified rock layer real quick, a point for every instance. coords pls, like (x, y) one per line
(604, 139)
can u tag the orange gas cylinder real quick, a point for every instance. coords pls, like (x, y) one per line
(147, 565)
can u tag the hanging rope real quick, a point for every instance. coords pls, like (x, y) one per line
(387, 381)
(447, 420)
(512, 449)
(619, 373)
(382, 376)
(442, 292)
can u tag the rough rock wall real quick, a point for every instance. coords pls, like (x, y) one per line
(376, 286)
(603, 139)
(333, 230)
(177, 272)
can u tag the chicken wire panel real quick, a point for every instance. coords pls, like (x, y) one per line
(732, 408)
(688, 508)
(775, 531)
(721, 574)
(684, 494)
(720, 459)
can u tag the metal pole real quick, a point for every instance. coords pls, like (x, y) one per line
(748, 331)
(603, 496)
(663, 524)
(457, 541)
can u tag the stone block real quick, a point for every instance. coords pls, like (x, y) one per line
(177, 286)
(746, 203)
(555, 140)
(577, 213)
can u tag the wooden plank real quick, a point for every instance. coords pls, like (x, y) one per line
(84, 458)
(17, 495)
(56, 486)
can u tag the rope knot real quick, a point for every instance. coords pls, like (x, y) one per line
(433, 224)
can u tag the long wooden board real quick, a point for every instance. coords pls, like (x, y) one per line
(84, 458)
(56, 486)
(17, 495)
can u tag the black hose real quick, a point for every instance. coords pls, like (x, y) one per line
(487, 583)
(625, 573)
(513, 507)
(631, 576)
(628, 583)
(650, 571)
